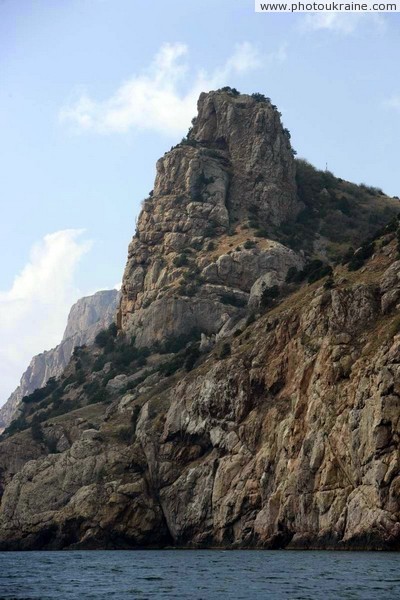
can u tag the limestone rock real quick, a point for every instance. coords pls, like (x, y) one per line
(280, 428)
(236, 162)
(390, 287)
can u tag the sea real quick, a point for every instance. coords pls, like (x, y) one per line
(199, 575)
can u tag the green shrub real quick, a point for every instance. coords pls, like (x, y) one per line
(41, 393)
(37, 432)
(224, 351)
(373, 191)
(310, 267)
(96, 391)
(291, 275)
(361, 255)
(99, 363)
(344, 206)
(196, 245)
(78, 351)
(101, 338)
(269, 296)
(113, 330)
(175, 343)
(189, 142)
(192, 355)
(263, 233)
(51, 445)
(17, 425)
(102, 395)
(232, 300)
(60, 408)
(141, 360)
(105, 337)
(211, 153)
(323, 271)
(249, 244)
(348, 255)
(312, 271)
(181, 260)
(70, 380)
(80, 377)
(250, 319)
(173, 365)
(210, 230)
(329, 283)
(287, 132)
(260, 97)
(124, 355)
(110, 346)
(188, 290)
(229, 90)
(253, 210)
(57, 394)
(125, 434)
(398, 242)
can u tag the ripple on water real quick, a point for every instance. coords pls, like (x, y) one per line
(197, 575)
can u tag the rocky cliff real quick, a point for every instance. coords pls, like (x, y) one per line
(236, 164)
(87, 317)
(251, 395)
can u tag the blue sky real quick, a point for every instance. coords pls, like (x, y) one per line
(92, 92)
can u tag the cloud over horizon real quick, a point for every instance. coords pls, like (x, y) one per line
(153, 100)
(342, 23)
(393, 102)
(33, 312)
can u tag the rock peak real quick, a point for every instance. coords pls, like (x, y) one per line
(249, 129)
(235, 167)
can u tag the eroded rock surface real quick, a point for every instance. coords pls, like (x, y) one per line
(279, 427)
(291, 441)
(237, 162)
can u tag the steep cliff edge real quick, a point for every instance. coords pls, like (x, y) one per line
(251, 396)
(236, 163)
(87, 317)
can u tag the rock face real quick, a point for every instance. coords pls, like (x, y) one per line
(281, 427)
(259, 153)
(236, 163)
(87, 317)
(292, 440)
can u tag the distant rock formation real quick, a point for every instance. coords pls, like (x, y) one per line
(86, 318)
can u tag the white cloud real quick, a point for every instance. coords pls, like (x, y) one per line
(33, 312)
(154, 100)
(393, 102)
(245, 58)
(343, 23)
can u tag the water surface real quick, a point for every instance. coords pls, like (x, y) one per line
(199, 575)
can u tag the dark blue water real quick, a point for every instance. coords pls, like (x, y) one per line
(200, 574)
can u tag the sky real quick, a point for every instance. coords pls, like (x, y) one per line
(93, 92)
